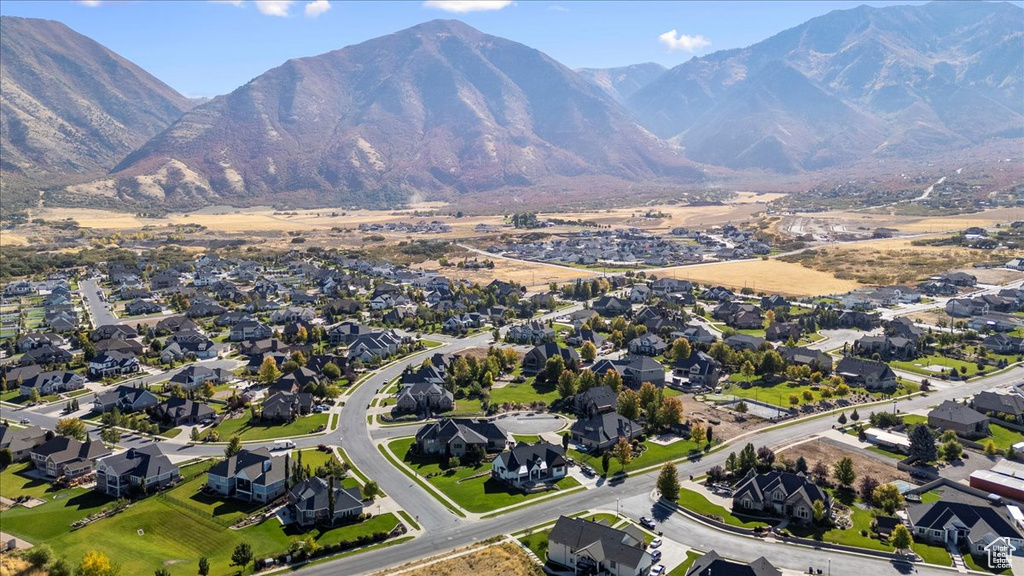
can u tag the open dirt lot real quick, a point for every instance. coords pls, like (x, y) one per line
(890, 261)
(817, 451)
(772, 276)
(917, 224)
(506, 559)
(525, 273)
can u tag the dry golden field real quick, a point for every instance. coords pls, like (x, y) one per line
(505, 559)
(771, 276)
(525, 273)
(817, 451)
(918, 224)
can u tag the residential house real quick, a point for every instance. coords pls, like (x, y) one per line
(176, 412)
(597, 400)
(739, 315)
(113, 363)
(1003, 405)
(779, 494)
(965, 421)
(126, 346)
(66, 457)
(744, 342)
(699, 369)
(46, 355)
(21, 441)
(250, 475)
(783, 332)
(536, 359)
(992, 323)
(801, 356)
(115, 331)
(50, 383)
(698, 334)
(292, 314)
(286, 406)
(454, 437)
(375, 344)
(858, 319)
(957, 278)
(126, 399)
(611, 306)
(587, 547)
(250, 330)
(867, 373)
(175, 324)
(635, 370)
(966, 307)
(963, 526)
(579, 337)
(639, 293)
(887, 347)
(648, 345)
(310, 502)
(1004, 344)
(139, 307)
(711, 564)
(136, 470)
(717, 294)
(530, 333)
(528, 464)
(424, 398)
(602, 431)
(33, 340)
(774, 302)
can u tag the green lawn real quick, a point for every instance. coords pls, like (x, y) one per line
(911, 419)
(538, 543)
(48, 521)
(1002, 436)
(466, 407)
(918, 365)
(175, 538)
(680, 570)
(525, 393)
(250, 430)
(653, 455)
(696, 502)
(15, 481)
(777, 394)
(481, 494)
(188, 496)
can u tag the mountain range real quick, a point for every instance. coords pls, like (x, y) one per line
(69, 107)
(442, 110)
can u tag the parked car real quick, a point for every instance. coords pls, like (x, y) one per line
(24, 421)
(656, 555)
(655, 543)
(658, 570)
(647, 522)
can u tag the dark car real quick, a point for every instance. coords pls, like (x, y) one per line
(647, 522)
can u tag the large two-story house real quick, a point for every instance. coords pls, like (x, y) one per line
(586, 547)
(309, 502)
(454, 437)
(528, 464)
(779, 494)
(66, 457)
(135, 470)
(250, 475)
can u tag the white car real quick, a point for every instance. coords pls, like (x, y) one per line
(655, 543)
(658, 570)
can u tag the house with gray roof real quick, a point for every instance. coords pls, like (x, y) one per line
(54, 382)
(21, 441)
(587, 547)
(135, 470)
(126, 399)
(424, 397)
(454, 437)
(182, 411)
(309, 502)
(250, 475)
(66, 457)
(779, 494)
(867, 373)
(711, 564)
(965, 421)
(529, 464)
(1000, 404)
(602, 431)
(963, 526)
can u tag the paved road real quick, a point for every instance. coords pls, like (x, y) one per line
(99, 311)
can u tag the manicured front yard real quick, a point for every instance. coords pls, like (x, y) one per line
(680, 570)
(525, 393)
(1002, 436)
(16, 481)
(479, 494)
(249, 429)
(921, 365)
(653, 455)
(777, 394)
(696, 502)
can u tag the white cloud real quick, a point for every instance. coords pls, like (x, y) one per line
(557, 8)
(683, 42)
(462, 6)
(90, 3)
(274, 7)
(316, 8)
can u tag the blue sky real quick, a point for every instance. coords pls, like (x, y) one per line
(208, 48)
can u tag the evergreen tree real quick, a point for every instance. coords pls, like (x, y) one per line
(668, 482)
